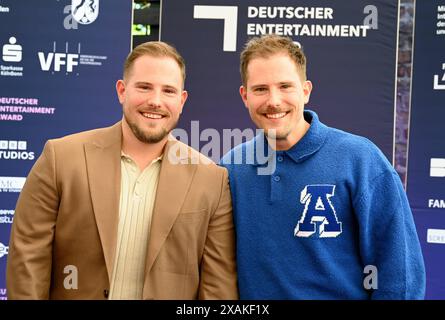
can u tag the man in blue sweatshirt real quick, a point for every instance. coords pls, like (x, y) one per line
(319, 213)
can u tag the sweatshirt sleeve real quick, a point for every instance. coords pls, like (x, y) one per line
(389, 241)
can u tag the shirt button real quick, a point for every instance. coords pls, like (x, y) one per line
(277, 178)
(280, 158)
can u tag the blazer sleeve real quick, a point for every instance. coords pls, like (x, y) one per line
(218, 267)
(28, 274)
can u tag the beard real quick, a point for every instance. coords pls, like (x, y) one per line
(277, 134)
(149, 137)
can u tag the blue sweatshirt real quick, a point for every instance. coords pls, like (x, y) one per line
(332, 221)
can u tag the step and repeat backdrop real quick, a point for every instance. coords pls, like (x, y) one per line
(59, 62)
(60, 59)
(426, 155)
(351, 48)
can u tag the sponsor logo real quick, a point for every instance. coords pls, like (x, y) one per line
(4, 9)
(15, 150)
(55, 60)
(11, 184)
(3, 294)
(3, 250)
(6, 216)
(292, 22)
(80, 12)
(437, 167)
(67, 62)
(439, 80)
(85, 11)
(435, 236)
(436, 203)
(11, 52)
(227, 13)
(14, 108)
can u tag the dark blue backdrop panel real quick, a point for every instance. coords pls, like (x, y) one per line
(57, 77)
(426, 177)
(353, 76)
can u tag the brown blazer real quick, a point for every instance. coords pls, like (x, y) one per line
(67, 215)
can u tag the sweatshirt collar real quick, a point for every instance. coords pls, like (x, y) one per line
(311, 141)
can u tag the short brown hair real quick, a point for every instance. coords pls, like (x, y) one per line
(268, 45)
(154, 49)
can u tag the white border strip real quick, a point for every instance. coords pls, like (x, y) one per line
(131, 25)
(160, 19)
(394, 127)
(410, 96)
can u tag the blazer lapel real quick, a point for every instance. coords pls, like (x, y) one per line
(104, 175)
(174, 182)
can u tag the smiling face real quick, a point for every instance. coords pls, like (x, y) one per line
(152, 97)
(275, 96)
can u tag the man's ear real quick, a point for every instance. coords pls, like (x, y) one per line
(120, 90)
(243, 94)
(184, 96)
(307, 89)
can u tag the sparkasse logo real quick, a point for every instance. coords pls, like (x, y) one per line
(11, 52)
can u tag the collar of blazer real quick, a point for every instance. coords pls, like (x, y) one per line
(178, 167)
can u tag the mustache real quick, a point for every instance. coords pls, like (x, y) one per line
(156, 110)
(272, 109)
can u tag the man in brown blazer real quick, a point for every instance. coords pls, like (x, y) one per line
(126, 212)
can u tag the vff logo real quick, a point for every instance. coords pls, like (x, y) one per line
(57, 59)
(85, 11)
(12, 52)
(318, 208)
(3, 250)
(437, 85)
